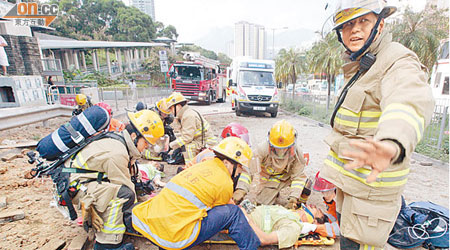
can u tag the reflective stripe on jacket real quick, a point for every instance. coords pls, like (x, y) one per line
(272, 171)
(172, 219)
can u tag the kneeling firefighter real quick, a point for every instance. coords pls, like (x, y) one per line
(193, 207)
(107, 193)
(83, 102)
(195, 134)
(281, 166)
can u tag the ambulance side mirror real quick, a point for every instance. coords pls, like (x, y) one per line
(231, 83)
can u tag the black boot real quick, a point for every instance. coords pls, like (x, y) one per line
(123, 246)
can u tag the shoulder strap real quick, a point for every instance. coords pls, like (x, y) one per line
(203, 128)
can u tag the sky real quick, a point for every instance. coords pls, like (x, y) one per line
(194, 19)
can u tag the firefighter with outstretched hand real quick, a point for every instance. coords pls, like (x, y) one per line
(281, 165)
(83, 102)
(195, 134)
(192, 207)
(107, 194)
(379, 118)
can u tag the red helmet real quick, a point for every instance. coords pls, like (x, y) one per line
(105, 106)
(236, 130)
(322, 185)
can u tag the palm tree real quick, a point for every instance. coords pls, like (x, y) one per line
(289, 64)
(326, 57)
(421, 32)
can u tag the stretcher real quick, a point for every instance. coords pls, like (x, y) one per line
(308, 240)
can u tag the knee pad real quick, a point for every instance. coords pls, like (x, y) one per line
(128, 194)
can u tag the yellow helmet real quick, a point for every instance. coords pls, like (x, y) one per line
(347, 10)
(148, 124)
(174, 99)
(282, 134)
(236, 149)
(161, 105)
(81, 99)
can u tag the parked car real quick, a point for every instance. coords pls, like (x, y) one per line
(302, 91)
(290, 87)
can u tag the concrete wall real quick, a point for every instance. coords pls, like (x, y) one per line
(23, 55)
(22, 91)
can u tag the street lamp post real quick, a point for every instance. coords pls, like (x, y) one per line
(273, 39)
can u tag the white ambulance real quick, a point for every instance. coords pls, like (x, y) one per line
(253, 86)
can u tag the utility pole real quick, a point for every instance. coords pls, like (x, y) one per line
(273, 39)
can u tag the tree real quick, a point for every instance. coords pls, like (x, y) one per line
(132, 25)
(108, 20)
(170, 31)
(326, 57)
(223, 58)
(289, 64)
(422, 32)
(204, 52)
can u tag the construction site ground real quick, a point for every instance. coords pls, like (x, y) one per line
(43, 227)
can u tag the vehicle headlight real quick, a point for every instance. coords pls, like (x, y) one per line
(276, 98)
(202, 94)
(242, 96)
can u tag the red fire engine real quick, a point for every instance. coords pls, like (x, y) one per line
(198, 79)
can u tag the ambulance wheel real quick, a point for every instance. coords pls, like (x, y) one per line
(274, 114)
(238, 112)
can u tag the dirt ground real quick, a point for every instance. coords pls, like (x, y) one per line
(43, 223)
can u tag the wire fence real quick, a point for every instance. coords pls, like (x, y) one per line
(124, 97)
(435, 140)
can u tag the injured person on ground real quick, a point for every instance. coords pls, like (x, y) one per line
(275, 224)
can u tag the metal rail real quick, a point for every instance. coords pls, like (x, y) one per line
(16, 117)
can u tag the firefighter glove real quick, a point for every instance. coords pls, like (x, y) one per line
(91, 218)
(292, 203)
(238, 196)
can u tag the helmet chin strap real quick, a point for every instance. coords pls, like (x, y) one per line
(373, 33)
(234, 170)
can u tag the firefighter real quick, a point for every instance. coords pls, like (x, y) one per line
(158, 151)
(195, 134)
(380, 116)
(83, 102)
(106, 202)
(281, 165)
(193, 207)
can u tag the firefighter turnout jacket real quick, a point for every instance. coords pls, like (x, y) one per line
(391, 101)
(275, 173)
(172, 219)
(191, 133)
(111, 157)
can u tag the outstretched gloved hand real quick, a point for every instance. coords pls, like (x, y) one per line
(91, 218)
(292, 203)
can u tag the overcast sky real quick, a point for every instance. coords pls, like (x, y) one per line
(193, 19)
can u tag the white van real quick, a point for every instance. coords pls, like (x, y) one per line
(440, 74)
(254, 86)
